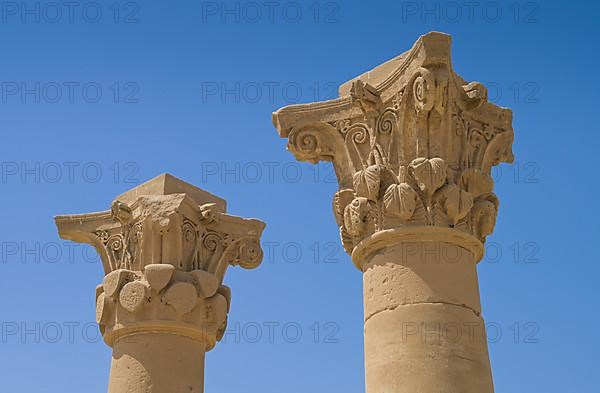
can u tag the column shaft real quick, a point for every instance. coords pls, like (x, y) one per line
(157, 363)
(423, 329)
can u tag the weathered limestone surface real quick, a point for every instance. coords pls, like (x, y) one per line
(413, 144)
(165, 247)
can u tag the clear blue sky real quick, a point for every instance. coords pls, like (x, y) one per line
(187, 87)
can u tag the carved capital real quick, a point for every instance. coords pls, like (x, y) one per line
(165, 247)
(412, 144)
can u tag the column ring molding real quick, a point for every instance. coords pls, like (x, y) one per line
(165, 327)
(389, 237)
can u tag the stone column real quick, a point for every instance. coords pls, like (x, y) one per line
(165, 247)
(413, 145)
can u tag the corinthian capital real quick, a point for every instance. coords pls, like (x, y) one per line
(165, 247)
(412, 144)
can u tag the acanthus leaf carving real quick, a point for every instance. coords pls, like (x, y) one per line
(341, 199)
(412, 143)
(454, 202)
(356, 217)
(430, 174)
(165, 247)
(498, 150)
(367, 182)
(346, 239)
(130, 302)
(400, 201)
(475, 182)
(483, 216)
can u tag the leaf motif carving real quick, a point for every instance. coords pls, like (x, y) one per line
(346, 240)
(475, 182)
(355, 217)
(341, 199)
(430, 174)
(400, 201)
(367, 181)
(455, 202)
(484, 218)
(498, 150)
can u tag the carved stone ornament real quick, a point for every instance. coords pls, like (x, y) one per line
(412, 144)
(165, 247)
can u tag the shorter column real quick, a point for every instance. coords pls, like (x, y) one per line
(165, 247)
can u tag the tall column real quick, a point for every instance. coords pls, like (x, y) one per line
(165, 247)
(413, 145)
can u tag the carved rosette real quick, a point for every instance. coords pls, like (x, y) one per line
(165, 257)
(415, 148)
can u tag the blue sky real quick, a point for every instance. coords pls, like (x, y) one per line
(100, 96)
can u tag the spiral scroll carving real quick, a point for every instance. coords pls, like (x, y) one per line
(417, 146)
